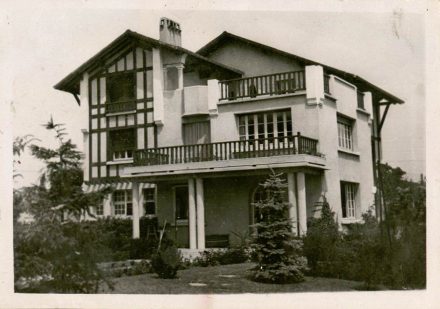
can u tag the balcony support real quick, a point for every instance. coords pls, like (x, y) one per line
(302, 210)
(292, 202)
(135, 217)
(200, 214)
(192, 214)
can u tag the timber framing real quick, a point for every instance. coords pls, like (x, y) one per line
(127, 40)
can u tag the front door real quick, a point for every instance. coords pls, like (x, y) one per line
(181, 222)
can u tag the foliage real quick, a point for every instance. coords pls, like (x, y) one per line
(167, 261)
(279, 255)
(63, 254)
(320, 243)
(221, 257)
(364, 252)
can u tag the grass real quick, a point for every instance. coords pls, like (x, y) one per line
(224, 279)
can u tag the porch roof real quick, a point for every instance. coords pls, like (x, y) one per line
(250, 166)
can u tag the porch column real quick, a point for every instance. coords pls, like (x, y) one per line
(302, 211)
(192, 214)
(200, 214)
(292, 202)
(135, 217)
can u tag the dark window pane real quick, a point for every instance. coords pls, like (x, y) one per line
(121, 87)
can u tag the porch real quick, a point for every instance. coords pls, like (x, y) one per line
(199, 209)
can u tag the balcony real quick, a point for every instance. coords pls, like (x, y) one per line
(120, 107)
(231, 150)
(264, 85)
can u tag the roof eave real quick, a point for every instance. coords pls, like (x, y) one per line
(224, 35)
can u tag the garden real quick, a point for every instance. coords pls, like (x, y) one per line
(58, 256)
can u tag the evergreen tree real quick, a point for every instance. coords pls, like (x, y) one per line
(279, 254)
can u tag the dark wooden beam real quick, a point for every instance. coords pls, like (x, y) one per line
(382, 119)
(76, 98)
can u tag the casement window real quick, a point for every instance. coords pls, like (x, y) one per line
(149, 201)
(121, 87)
(122, 203)
(99, 210)
(266, 125)
(345, 133)
(348, 199)
(122, 144)
(181, 202)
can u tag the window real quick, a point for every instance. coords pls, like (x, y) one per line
(121, 87)
(149, 201)
(196, 133)
(181, 202)
(348, 198)
(268, 125)
(345, 133)
(122, 144)
(100, 209)
(360, 100)
(122, 203)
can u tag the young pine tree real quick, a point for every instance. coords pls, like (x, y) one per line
(279, 255)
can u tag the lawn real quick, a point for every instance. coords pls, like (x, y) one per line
(225, 279)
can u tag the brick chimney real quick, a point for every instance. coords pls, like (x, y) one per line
(170, 32)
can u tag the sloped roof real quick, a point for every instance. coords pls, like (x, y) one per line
(362, 84)
(71, 82)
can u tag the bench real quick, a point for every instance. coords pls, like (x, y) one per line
(217, 241)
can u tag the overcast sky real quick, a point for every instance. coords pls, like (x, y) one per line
(387, 49)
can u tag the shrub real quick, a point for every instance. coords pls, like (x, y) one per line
(167, 261)
(321, 241)
(280, 257)
(221, 257)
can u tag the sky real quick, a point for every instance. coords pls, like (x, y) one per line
(386, 48)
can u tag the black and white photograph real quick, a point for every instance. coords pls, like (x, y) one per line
(182, 155)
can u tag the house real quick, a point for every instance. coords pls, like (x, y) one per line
(188, 137)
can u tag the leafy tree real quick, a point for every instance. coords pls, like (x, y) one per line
(61, 255)
(279, 254)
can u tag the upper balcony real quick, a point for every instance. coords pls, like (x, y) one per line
(263, 85)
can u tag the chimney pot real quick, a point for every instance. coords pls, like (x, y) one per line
(170, 32)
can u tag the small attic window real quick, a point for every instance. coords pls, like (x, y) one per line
(121, 87)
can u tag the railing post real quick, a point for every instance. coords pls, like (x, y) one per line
(298, 141)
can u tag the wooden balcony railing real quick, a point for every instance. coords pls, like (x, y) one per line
(327, 84)
(221, 151)
(273, 84)
(119, 107)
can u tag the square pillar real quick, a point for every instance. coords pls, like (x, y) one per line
(302, 210)
(200, 214)
(292, 202)
(135, 217)
(192, 214)
(213, 95)
(315, 84)
(158, 88)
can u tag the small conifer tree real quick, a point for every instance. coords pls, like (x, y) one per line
(279, 254)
